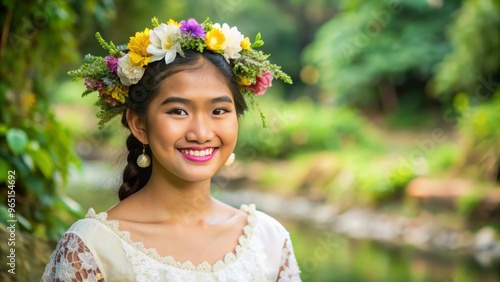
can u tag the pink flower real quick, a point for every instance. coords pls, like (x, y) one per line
(112, 63)
(262, 83)
(94, 84)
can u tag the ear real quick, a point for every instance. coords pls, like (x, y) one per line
(137, 126)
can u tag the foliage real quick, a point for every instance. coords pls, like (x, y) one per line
(478, 124)
(302, 126)
(475, 39)
(372, 47)
(32, 143)
(443, 158)
(32, 254)
(373, 183)
(466, 204)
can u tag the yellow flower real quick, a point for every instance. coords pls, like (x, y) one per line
(244, 81)
(138, 48)
(245, 43)
(118, 92)
(215, 39)
(171, 21)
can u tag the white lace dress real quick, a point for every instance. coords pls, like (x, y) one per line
(94, 249)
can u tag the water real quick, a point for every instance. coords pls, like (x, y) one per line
(324, 256)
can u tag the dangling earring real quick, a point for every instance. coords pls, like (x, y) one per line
(143, 159)
(230, 160)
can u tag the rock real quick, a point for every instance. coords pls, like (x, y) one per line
(324, 214)
(486, 249)
(484, 238)
(419, 236)
(384, 230)
(354, 223)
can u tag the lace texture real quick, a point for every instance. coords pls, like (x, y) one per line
(289, 270)
(255, 258)
(169, 260)
(72, 261)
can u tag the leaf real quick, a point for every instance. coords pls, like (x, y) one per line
(42, 160)
(17, 140)
(3, 129)
(4, 214)
(257, 37)
(4, 168)
(71, 205)
(23, 221)
(257, 42)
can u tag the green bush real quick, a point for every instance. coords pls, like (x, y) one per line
(302, 126)
(478, 126)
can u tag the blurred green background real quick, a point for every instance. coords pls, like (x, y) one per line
(382, 159)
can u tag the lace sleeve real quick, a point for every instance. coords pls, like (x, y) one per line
(72, 261)
(289, 269)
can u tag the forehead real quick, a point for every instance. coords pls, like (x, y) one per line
(199, 84)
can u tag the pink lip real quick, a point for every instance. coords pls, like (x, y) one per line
(198, 159)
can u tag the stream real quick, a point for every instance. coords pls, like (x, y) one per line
(350, 255)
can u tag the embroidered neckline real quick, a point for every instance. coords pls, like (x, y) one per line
(229, 258)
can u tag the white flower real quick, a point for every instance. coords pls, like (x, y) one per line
(232, 45)
(129, 73)
(164, 42)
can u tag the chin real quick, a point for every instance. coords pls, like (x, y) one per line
(195, 175)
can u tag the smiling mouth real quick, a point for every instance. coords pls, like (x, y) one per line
(197, 155)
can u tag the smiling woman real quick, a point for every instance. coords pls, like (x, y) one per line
(182, 113)
(192, 111)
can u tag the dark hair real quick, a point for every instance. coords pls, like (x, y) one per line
(141, 94)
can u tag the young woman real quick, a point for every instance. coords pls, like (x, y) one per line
(180, 90)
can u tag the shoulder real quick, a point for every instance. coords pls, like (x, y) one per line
(93, 227)
(268, 227)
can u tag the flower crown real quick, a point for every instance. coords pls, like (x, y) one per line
(112, 75)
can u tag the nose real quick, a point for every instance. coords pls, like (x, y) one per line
(200, 130)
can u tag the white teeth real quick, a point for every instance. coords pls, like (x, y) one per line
(198, 153)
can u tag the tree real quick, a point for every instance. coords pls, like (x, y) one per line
(470, 75)
(35, 150)
(372, 49)
(473, 65)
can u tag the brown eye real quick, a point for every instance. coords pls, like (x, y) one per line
(177, 112)
(219, 111)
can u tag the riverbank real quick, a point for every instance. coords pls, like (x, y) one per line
(423, 233)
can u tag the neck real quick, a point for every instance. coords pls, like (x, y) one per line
(173, 199)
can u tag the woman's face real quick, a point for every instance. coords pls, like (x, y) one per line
(191, 125)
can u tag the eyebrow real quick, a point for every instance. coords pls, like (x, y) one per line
(174, 99)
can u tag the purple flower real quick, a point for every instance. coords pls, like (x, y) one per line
(112, 63)
(192, 27)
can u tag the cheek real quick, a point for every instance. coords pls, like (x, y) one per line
(162, 131)
(229, 131)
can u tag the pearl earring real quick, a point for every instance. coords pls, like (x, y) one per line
(230, 160)
(143, 159)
